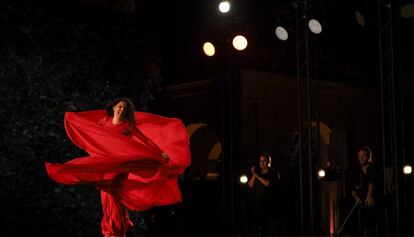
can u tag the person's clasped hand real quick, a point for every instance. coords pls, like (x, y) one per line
(253, 169)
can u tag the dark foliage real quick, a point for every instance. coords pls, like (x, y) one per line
(52, 62)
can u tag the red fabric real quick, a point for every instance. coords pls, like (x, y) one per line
(115, 220)
(129, 168)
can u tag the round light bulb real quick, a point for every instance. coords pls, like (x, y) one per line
(281, 33)
(239, 42)
(407, 169)
(315, 26)
(224, 7)
(321, 173)
(407, 11)
(209, 49)
(360, 18)
(243, 179)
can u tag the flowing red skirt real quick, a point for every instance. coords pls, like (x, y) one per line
(128, 168)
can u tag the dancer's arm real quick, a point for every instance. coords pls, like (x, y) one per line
(151, 144)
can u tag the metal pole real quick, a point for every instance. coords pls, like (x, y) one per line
(231, 171)
(298, 74)
(384, 163)
(394, 122)
(308, 95)
(400, 87)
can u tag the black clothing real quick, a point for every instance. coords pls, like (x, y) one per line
(366, 215)
(264, 201)
(260, 191)
(363, 181)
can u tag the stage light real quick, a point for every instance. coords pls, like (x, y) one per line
(281, 33)
(239, 42)
(360, 18)
(209, 49)
(407, 169)
(224, 7)
(365, 16)
(315, 26)
(407, 11)
(243, 179)
(321, 173)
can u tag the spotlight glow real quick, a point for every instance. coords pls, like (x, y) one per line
(321, 173)
(407, 169)
(243, 179)
(407, 11)
(281, 33)
(315, 26)
(360, 18)
(224, 7)
(209, 49)
(239, 42)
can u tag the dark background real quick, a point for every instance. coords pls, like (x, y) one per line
(58, 56)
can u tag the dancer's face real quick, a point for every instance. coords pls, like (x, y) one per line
(119, 109)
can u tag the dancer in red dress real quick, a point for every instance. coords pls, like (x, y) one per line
(134, 159)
